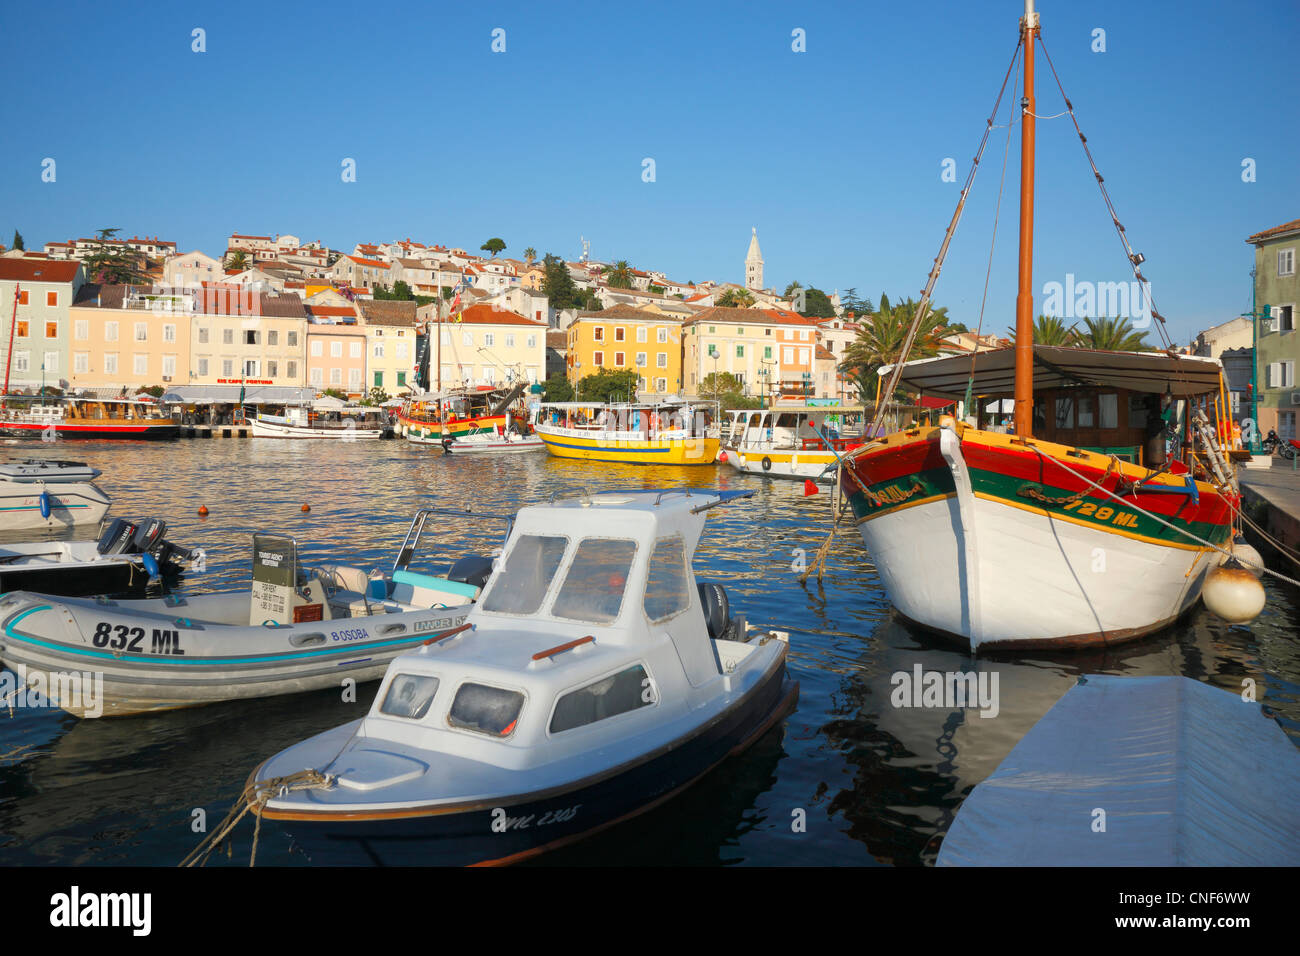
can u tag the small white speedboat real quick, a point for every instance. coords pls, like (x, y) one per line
(593, 680)
(45, 493)
(126, 558)
(351, 423)
(293, 629)
(493, 443)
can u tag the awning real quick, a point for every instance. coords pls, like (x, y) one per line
(1059, 367)
(229, 395)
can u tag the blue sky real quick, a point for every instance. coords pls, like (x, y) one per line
(834, 154)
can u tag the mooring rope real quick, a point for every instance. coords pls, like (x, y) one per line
(256, 794)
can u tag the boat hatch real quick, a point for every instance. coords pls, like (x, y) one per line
(379, 769)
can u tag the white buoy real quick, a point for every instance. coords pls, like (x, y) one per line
(1233, 593)
(1250, 558)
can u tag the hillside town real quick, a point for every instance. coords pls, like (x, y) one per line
(110, 316)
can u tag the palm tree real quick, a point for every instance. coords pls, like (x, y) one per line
(1052, 330)
(530, 255)
(1113, 335)
(791, 289)
(736, 299)
(237, 260)
(880, 342)
(620, 276)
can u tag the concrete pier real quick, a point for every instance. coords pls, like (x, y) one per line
(215, 431)
(1271, 497)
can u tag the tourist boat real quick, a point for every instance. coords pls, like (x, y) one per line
(48, 418)
(294, 629)
(128, 555)
(1138, 772)
(454, 413)
(347, 423)
(787, 441)
(46, 493)
(593, 680)
(1076, 530)
(665, 433)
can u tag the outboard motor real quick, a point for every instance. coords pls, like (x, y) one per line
(716, 607)
(117, 538)
(472, 569)
(149, 535)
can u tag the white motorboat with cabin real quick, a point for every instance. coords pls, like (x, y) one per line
(127, 557)
(45, 493)
(293, 629)
(340, 422)
(593, 680)
(788, 441)
(493, 443)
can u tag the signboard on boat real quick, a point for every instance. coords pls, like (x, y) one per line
(275, 567)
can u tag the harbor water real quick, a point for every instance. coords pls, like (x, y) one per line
(857, 775)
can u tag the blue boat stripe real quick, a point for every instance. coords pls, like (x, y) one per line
(654, 451)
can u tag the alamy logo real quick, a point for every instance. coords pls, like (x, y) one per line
(78, 691)
(918, 688)
(102, 909)
(1084, 299)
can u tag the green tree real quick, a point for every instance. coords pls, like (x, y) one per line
(620, 276)
(335, 393)
(378, 396)
(493, 246)
(401, 291)
(719, 385)
(1112, 335)
(558, 389)
(1051, 330)
(107, 265)
(880, 341)
(18, 240)
(155, 390)
(608, 385)
(530, 255)
(237, 260)
(884, 302)
(817, 304)
(558, 286)
(791, 289)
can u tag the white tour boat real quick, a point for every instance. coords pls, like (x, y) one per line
(593, 680)
(346, 423)
(787, 441)
(42, 493)
(292, 630)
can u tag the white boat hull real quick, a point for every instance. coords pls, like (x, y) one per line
(1000, 576)
(489, 444)
(70, 504)
(265, 429)
(783, 464)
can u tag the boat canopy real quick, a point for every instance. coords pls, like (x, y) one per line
(1187, 774)
(1061, 367)
(229, 395)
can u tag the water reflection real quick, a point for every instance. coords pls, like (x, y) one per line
(876, 784)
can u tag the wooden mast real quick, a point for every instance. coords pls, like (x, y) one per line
(1024, 394)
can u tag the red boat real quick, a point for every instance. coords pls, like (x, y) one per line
(27, 416)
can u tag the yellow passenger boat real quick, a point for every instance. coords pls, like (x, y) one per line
(669, 433)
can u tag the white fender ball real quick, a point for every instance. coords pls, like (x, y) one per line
(1233, 593)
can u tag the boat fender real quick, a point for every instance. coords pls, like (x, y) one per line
(150, 564)
(1233, 593)
(1249, 557)
(45, 504)
(767, 463)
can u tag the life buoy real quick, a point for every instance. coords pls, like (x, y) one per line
(767, 463)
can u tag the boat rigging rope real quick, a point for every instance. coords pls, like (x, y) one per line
(256, 794)
(1155, 517)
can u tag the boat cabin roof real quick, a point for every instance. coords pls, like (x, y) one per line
(1062, 367)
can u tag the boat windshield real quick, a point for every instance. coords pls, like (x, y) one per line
(593, 588)
(523, 583)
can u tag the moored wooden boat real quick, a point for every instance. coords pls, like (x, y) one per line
(669, 433)
(793, 441)
(84, 418)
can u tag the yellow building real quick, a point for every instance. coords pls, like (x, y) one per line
(390, 327)
(625, 338)
(128, 337)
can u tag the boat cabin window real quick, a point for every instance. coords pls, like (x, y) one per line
(530, 566)
(608, 697)
(593, 588)
(409, 695)
(665, 590)
(787, 420)
(486, 710)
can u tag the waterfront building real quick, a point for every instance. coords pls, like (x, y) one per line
(125, 338)
(1277, 285)
(336, 355)
(767, 350)
(1232, 343)
(623, 337)
(484, 345)
(46, 291)
(390, 328)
